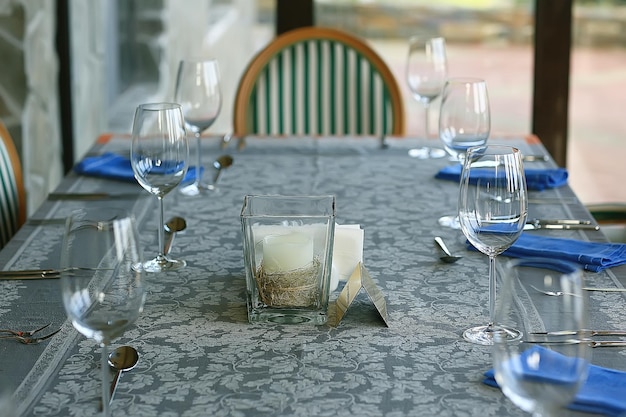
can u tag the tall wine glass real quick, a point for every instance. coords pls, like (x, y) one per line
(493, 207)
(464, 121)
(198, 92)
(159, 153)
(426, 72)
(101, 279)
(543, 370)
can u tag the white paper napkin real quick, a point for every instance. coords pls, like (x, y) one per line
(347, 252)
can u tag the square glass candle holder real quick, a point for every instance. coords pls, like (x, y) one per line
(287, 249)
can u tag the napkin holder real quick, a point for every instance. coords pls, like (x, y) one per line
(359, 280)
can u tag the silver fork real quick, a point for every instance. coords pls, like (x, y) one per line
(560, 293)
(27, 337)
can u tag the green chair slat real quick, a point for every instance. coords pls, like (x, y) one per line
(9, 200)
(320, 87)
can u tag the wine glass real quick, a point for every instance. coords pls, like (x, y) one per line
(198, 92)
(426, 72)
(493, 206)
(464, 121)
(542, 370)
(101, 278)
(159, 153)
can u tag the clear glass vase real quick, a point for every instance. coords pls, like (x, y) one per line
(287, 247)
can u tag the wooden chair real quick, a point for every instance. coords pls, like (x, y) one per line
(12, 192)
(318, 81)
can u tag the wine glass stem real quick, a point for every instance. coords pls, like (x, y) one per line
(106, 386)
(161, 256)
(198, 158)
(426, 127)
(492, 288)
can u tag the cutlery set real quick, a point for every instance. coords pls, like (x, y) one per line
(560, 224)
(30, 337)
(43, 273)
(58, 196)
(536, 158)
(560, 337)
(30, 274)
(560, 293)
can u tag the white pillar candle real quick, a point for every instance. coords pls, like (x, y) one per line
(287, 252)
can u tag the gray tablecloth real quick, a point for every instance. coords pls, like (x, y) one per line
(199, 354)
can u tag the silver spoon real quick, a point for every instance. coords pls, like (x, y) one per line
(220, 164)
(122, 359)
(448, 257)
(173, 225)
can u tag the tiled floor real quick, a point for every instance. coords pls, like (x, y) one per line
(597, 132)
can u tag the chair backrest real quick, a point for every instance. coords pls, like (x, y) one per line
(318, 81)
(12, 192)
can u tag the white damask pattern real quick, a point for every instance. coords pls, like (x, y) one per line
(198, 354)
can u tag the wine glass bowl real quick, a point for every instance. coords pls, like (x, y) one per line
(464, 122)
(426, 72)
(543, 370)
(465, 117)
(101, 278)
(198, 92)
(159, 155)
(492, 225)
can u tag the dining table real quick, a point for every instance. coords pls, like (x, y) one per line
(198, 353)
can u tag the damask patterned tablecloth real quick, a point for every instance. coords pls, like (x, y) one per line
(199, 355)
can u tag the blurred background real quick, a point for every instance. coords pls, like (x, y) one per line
(75, 69)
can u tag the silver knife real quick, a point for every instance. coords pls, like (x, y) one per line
(536, 158)
(536, 225)
(30, 274)
(44, 273)
(585, 332)
(592, 343)
(560, 221)
(89, 196)
(553, 200)
(44, 222)
(604, 289)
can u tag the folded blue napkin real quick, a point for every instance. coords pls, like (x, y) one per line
(536, 179)
(593, 256)
(117, 167)
(602, 392)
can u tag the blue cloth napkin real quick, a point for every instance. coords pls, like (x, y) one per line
(602, 393)
(117, 167)
(536, 179)
(593, 256)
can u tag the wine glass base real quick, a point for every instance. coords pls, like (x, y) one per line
(483, 335)
(197, 189)
(163, 265)
(427, 153)
(450, 221)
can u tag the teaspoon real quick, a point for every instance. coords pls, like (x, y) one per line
(220, 164)
(448, 257)
(173, 225)
(122, 359)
